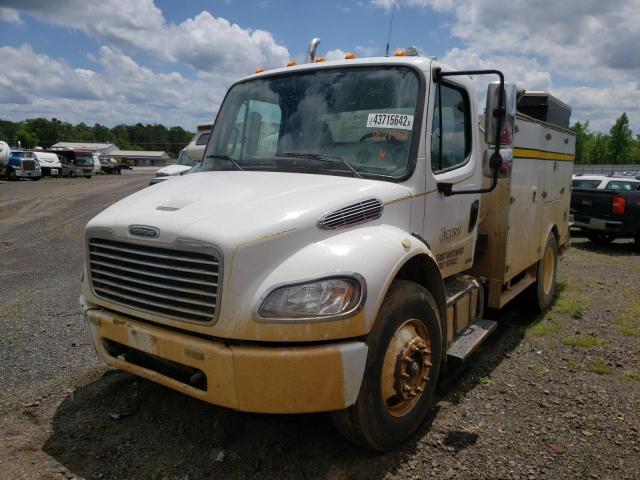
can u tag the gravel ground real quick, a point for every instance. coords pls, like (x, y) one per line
(554, 396)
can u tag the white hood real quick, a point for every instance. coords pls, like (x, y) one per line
(231, 207)
(173, 170)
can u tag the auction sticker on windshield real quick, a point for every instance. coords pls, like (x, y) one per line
(390, 120)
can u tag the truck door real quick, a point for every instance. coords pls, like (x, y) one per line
(451, 222)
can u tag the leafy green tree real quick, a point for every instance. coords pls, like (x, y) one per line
(600, 149)
(583, 142)
(27, 138)
(621, 140)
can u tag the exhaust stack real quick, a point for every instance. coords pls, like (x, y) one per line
(313, 47)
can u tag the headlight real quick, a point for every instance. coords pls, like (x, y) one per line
(324, 298)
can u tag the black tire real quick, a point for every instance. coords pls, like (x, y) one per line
(543, 297)
(637, 241)
(35, 179)
(87, 176)
(600, 238)
(368, 423)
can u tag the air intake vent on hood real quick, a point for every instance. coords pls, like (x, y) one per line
(354, 214)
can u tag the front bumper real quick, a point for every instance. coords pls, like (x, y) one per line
(28, 173)
(246, 377)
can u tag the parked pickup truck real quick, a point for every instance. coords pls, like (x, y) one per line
(605, 215)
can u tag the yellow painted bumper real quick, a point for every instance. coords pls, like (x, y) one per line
(246, 377)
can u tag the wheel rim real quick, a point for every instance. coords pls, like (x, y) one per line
(405, 372)
(548, 266)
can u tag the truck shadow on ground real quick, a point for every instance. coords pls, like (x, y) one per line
(120, 426)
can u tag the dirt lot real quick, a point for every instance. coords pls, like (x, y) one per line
(556, 396)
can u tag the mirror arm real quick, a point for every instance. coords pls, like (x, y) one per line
(499, 113)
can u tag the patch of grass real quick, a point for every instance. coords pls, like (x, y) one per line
(457, 398)
(560, 287)
(628, 326)
(583, 341)
(486, 381)
(543, 329)
(572, 363)
(539, 370)
(573, 307)
(599, 366)
(631, 376)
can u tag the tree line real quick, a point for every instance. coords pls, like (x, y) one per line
(618, 147)
(44, 133)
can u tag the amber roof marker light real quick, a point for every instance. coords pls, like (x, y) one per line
(350, 56)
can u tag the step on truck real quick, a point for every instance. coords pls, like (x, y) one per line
(350, 224)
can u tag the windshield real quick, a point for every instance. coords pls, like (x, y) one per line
(184, 159)
(84, 160)
(348, 121)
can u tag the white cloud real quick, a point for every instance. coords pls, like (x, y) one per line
(123, 92)
(590, 47)
(9, 15)
(204, 42)
(336, 54)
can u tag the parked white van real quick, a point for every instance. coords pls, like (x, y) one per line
(97, 166)
(49, 163)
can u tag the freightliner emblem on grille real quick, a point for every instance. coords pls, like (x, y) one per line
(144, 231)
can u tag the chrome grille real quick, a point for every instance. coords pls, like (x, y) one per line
(175, 283)
(354, 214)
(28, 165)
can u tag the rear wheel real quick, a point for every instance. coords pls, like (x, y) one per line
(637, 241)
(545, 287)
(403, 364)
(600, 238)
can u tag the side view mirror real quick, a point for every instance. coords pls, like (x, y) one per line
(493, 112)
(502, 162)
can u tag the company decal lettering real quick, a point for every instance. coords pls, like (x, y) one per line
(449, 258)
(447, 234)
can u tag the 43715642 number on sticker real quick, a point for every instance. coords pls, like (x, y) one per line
(390, 120)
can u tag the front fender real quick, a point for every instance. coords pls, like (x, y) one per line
(376, 253)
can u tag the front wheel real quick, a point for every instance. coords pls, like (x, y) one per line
(403, 364)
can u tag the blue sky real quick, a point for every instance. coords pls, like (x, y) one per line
(113, 61)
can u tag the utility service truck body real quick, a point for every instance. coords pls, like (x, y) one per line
(331, 254)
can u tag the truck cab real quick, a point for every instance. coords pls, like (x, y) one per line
(189, 156)
(22, 164)
(76, 163)
(349, 222)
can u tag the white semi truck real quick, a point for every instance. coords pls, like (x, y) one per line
(351, 222)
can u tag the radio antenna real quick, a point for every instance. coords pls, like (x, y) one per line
(393, 12)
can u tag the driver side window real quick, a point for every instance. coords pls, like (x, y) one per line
(451, 128)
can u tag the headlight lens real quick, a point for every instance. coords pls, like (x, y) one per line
(323, 298)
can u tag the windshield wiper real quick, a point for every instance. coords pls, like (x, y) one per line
(315, 156)
(225, 157)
